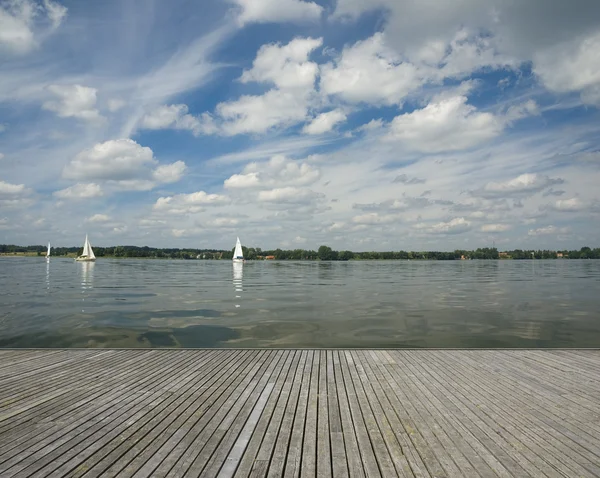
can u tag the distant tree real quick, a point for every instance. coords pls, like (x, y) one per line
(345, 255)
(325, 253)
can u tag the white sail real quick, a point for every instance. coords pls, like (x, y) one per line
(48, 253)
(88, 248)
(238, 253)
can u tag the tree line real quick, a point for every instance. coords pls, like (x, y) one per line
(324, 253)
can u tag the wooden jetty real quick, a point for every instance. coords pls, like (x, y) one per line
(299, 413)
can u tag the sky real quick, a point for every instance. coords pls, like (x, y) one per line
(360, 124)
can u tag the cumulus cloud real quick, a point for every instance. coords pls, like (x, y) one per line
(448, 123)
(325, 122)
(496, 227)
(285, 66)
(177, 117)
(73, 101)
(569, 205)
(288, 68)
(277, 172)
(259, 114)
(548, 231)
(572, 66)
(8, 189)
(114, 159)
(24, 23)
(369, 71)
(124, 165)
(170, 173)
(458, 225)
(80, 191)
(265, 11)
(289, 195)
(189, 203)
(522, 186)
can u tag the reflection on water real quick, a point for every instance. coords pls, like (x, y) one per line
(87, 281)
(145, 303)
(238, 274)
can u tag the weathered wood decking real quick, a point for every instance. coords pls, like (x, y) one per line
(299, 413)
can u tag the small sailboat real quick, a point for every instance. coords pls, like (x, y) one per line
(88, 252)
(48, 253)
(238, 254)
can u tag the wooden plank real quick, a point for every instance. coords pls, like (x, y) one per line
(280, 453)
(38, 456)
(529, 438)
(323, 446)
(356, 413)
(115, 444)
(354, 462)
(249, 460)
(365, 447)
(308, 466)
(208, 386)
(533, 433)
(229, 429)
(293, 462)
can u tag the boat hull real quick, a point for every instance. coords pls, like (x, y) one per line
(85, 259)
(238, 260)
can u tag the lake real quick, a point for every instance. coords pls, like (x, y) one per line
(156, 303)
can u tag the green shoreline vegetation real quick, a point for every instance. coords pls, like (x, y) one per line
(324, 253)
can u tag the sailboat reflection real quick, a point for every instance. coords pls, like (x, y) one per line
(47, 273)
(87, 279)
(238, 273)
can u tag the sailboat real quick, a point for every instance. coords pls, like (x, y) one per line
(88, 252)
(48, 253)
(238, 254)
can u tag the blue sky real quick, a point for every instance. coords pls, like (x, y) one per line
(365, 125)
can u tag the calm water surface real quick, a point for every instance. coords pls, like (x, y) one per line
(155, 303)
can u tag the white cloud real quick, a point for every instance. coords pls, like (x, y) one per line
(286, 66)
(225, 222)
(258, 114)
(177, 117)
(120, 159)
(178, 232)
(277, 172)
(188, 203)
(264, 11)
(132, 184)
(457, 225)
(548, 231)
(21, 23)
(1, 156)
(8, 189)
(572, 66)
(375, 218)
(325, 122)
(288, 195)
(74, 101)
(170, 173)
(369, 71)
(523, 185)
(569, 205)
(496, 227)
(80, 190)
(445, 124)
(98, 218)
